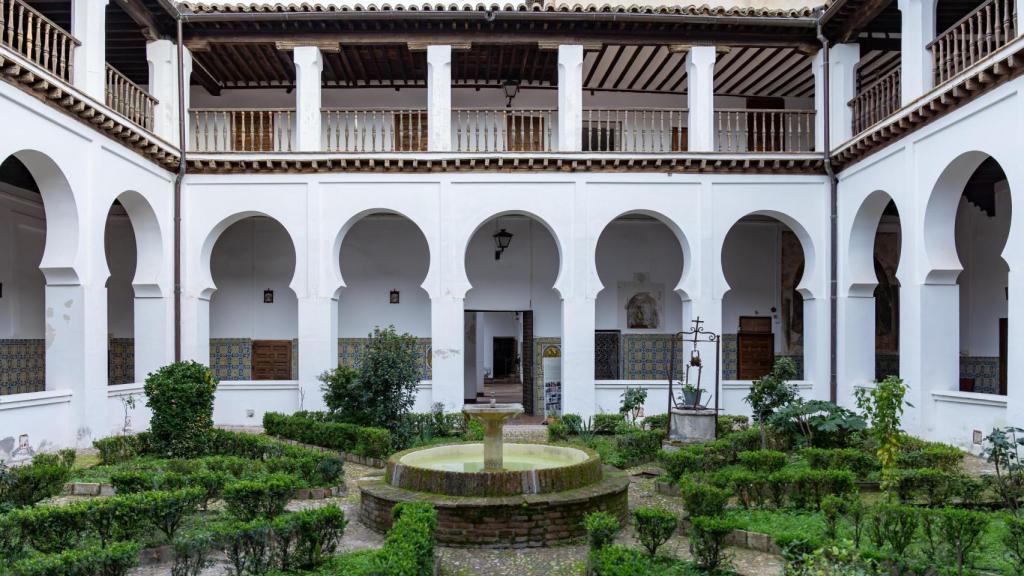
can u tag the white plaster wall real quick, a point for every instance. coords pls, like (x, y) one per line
(980, 241)
(750, 262)
(23, 229)
(251, 256)
(119, 241)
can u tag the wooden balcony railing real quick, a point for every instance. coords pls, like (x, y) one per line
(751, 130)
(634, 130)
(37, 38)
(242, 130)
(503, 129)
(988, 28)
(128, 99)
(350, 130)
(876, 101)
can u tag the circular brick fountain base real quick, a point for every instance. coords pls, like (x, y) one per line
(526, 520)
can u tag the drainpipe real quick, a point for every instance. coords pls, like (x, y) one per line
(833, 388)
(177, 193)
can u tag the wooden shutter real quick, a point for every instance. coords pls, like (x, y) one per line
(272, 360)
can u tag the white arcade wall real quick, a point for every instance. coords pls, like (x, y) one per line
(983, 298)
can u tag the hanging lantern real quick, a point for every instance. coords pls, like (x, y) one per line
(502, 239)
(511, 88)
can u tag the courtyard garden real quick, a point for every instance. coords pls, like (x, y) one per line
(802, 488)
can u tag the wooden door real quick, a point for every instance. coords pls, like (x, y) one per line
(762, 134)
(504, 350)
(524, 133)
(272, 360)
(755, 347)
(1004, 347)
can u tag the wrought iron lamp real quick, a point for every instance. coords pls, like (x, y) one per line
(511, 88)
(502, 239)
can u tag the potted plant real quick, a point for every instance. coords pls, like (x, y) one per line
(691, 395)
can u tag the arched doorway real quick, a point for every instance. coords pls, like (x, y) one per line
(763, 261)
(254, 312)
(640, 264)
(512, 310)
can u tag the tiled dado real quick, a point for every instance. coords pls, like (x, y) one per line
(984, 370)
(22, 366)
(350, 349)
(646, 356)
(231, 358)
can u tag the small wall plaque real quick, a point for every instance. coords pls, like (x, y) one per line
(268, 296)
(393, 297)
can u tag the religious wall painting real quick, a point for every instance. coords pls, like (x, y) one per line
(641, 305)
(792, 270)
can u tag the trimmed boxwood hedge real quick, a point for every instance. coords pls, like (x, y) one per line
(307, 428)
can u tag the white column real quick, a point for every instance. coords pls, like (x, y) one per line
(88, 26)
(855, 364)
(842, 63)
(578, 323)
(570, 99)
(152, 349)
(818, 69)
(937, 350)
(318, 346)
(1015, 344)
(162, 56)
(700, 75)
(439, 99)
(446, 342)
(309, 66)
(917, 19)
(817, 353)
(195, 328)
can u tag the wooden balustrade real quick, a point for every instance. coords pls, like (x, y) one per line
(634, 130)
(986, 29)
(755, 130)
(36, 37)
(128, 99)
(242, 130)
(876, 101)
(503, 129)
(354, 130)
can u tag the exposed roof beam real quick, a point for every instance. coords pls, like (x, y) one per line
(141, 16)
(868, 11)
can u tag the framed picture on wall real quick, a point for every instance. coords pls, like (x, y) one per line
(641, 305)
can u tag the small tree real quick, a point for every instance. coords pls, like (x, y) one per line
(1002, 449)
(383, 387)
(654, 526)
(882, 407)
(181, 398)
(632, 405)
(771, 392)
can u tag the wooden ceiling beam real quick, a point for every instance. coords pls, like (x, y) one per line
(141, 16)
(859, 19)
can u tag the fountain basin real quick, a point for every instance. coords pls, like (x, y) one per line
(458, 470)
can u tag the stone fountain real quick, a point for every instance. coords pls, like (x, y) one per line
(496, 494)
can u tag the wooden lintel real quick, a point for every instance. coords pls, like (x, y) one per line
(323, 45)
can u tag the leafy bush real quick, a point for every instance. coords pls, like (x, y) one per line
(1013, 541)
(304, 539)
(832, 510)
(654, 526)
(474, 431)
(364, 441)
(707, 540)
(935, 456)
(807, 488)
(117, 449)
(385, 388)
(892, 528)
(623, 561)
(771, 392)
(637, 446)
(701, 499)
(601, 528)
(680, 463)
(632, 404)
(115, 519)
(409, 546)
(573, 423)
(752, 489)
(181, 398)
(883, 408)
(52, 529)
(166, 510)
(114, 560)
(939, 488)
(607, 423)
(729, 423)
(247, 545)
(816, 423)
(263, 497)
(192, 552)
(852, 459)
(557, 431)
(658, 422)
(763, 460)
(44, 477)
(954, 536)
(133, 481)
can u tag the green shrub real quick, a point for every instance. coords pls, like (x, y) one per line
(637, 446)
(114, 560)
(44, 477)
(601, 529)
(658, 422)
(192, 552)
(855, 512)
(305, 538)
(892, 527)
(832, 510)
(557, 431)
(573, 423)
(607, 423)
(857, 461)
(474, 431)
(701, 499)
(234, 466)
(117, 449)
(729, 423)
(181, 398)
(771, 392)
(115, 519)
(744, 440)
(409, 546)
(936, 486)
(954, 536)
(263, 497)
(12, 546)
(680, 463)
(931, 455)
(654, 526)
(133, 481)
(807, 488)
(623, 561)
(763, 460)
(752, 489)
(1013, 542)
(247, 545)
(166, 510)
(364, 441)
(707, 540)
(52, 529)
(341, 388)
